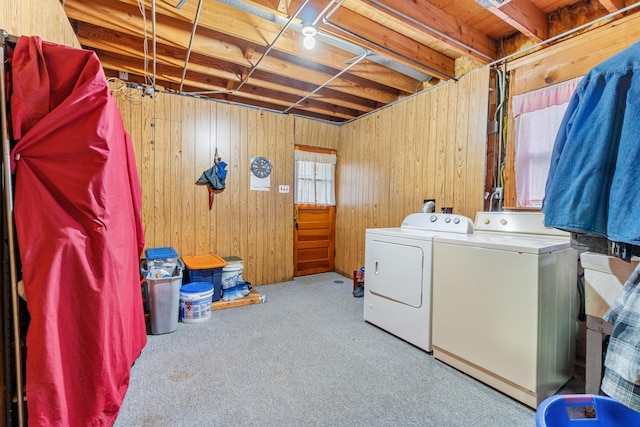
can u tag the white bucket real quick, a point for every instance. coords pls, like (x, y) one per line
(195, 302)
(230, 274)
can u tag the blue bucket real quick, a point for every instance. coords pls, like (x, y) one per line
(555, 411)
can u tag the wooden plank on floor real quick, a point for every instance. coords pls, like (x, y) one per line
(254, 297)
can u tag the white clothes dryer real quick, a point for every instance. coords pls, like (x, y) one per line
(398, 266)
(505, 304)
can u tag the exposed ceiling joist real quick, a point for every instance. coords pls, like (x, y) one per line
(522, 15)
(422, 16)
(352, 26)
(612, 5)
(368, 53)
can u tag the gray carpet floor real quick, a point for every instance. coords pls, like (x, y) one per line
(304, 357)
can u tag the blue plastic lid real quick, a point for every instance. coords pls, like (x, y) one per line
(155, 253)
(197, 287)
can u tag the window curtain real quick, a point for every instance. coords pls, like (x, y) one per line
(315, 178)
(538, 115)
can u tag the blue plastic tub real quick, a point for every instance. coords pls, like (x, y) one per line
(161, 257)
(569, 410)
(205, 268)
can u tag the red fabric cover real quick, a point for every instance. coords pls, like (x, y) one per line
(77, 213)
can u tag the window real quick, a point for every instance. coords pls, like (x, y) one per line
(538, 115)
(315, 178)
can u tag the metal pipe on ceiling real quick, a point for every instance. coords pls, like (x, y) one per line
(153, 25)
(504, 59)
(430, 29)
(326, 21)
(327, 39)
(264, 55)
(193, 35)
(270, 47)
(353, 63)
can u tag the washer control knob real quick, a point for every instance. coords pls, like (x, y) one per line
(433, 218)
(487, 221)
(456, 220)
(503, 221)
(447, 220)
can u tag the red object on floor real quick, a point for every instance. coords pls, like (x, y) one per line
(77, 213)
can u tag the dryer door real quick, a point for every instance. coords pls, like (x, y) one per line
(394, 268)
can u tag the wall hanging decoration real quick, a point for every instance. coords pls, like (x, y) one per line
(215, 178)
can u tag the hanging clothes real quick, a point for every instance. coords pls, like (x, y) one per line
(77, 214)
(594, 163)
(592, 191)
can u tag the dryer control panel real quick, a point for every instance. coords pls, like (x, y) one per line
(450, 223)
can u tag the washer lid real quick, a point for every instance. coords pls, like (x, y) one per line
(525, 243)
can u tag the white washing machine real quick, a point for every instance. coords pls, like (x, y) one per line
(398, 265)
(505, 304)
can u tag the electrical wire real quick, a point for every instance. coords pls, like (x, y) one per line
(145, 42)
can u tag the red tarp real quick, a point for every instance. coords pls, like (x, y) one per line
(77, 213)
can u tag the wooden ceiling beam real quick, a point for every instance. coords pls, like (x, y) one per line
(103, 40)
(612, 5)
(283, 6)
(166, 76)
(171, 36)
(525, 17)
(256, 102)
(389, 44)
(430, 21)
(227, 20)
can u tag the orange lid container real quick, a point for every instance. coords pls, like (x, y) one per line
(203, 262)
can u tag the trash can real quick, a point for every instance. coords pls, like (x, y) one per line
(144, 271)
(164, 299)
(569, 411)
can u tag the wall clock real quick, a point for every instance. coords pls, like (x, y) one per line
(261, 167)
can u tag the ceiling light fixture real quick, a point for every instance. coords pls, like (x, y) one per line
(308, 31)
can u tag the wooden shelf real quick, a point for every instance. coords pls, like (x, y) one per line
(254, 297)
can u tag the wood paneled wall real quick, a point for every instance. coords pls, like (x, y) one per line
(314, 133)
(561, 62)
(173, 150)
(431, 146)
(43, 18)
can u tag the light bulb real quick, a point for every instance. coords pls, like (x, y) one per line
(308, 31)
(309, 42)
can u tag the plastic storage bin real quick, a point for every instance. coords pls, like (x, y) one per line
(164, 300)
(161, 258)
(205, 268)
(568, 411)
